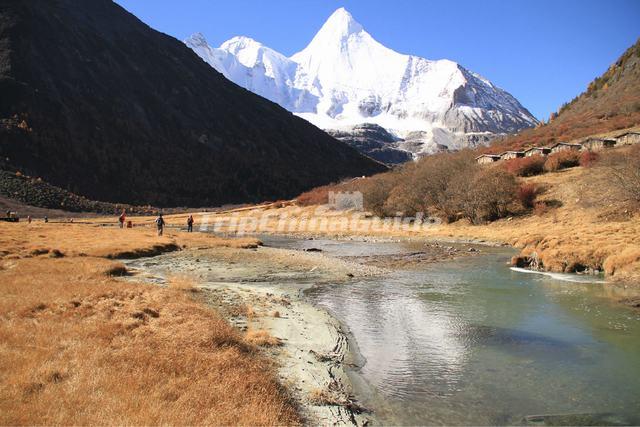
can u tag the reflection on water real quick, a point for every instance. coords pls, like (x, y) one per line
(471, 342)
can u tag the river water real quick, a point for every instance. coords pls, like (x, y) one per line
(471, 342)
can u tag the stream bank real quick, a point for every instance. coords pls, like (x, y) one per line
(464, 340)
(263, 289)
(260, 291)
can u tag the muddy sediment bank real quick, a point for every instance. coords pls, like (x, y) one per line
(262, 290)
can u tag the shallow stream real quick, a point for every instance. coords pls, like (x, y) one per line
(471, 342)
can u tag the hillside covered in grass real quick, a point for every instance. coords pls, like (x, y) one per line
(611, 102)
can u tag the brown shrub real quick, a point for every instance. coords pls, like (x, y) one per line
(316, 196)
(588, 158)
(262, 338)
(376, 190)
(450, 185)
(540, 208)
(435, 183)
(525, 166)
(527, 195)
(248, 311)
(180, 283)
(562, 160)
(491, 193)
(117, 269)
(624, 168)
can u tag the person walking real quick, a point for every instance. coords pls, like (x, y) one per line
(29, 219)
(190, 224)
(160, 224)
(122, 218)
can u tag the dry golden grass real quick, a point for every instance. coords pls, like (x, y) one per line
(262, 338)
(79, 346)
(93, 238)
(182, 283)
(332, 394)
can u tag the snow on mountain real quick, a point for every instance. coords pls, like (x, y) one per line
(345, 78)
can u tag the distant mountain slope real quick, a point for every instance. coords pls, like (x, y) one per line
(34, 192)
(95, 101)
(611, 102)
(345, 78)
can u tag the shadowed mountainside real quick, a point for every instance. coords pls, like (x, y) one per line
(96, 102)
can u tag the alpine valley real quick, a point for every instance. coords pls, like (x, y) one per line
(389, 105)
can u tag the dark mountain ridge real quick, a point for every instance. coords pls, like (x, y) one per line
(95, 101)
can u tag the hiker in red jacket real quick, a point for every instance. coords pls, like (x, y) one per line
(123, 217)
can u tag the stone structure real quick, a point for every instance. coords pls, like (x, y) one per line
(487, 158)
(343, 200)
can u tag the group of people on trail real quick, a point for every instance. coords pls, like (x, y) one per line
(160, 222)
(14, 215)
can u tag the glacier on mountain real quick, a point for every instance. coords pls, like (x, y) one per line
(345, 78)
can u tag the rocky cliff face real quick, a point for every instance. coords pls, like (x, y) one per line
(96, 102)
(374, 141)
(345, 78)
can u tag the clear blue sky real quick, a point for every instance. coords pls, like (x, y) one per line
(543, 52)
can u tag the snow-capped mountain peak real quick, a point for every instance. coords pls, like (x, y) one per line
(253, 54)
(342, 54)
(338, 27)
(238, 44)
(344, 78)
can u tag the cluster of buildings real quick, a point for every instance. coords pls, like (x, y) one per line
(589, 144)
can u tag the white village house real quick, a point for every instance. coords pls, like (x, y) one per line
(537, 151)
(564, 146)
(628, 138)
(588, 144)
(508, 155)
(483, 159)
(596, 144)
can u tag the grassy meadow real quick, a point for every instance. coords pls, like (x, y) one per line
(80, 345)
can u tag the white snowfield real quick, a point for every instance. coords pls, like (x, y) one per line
(344, 77)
